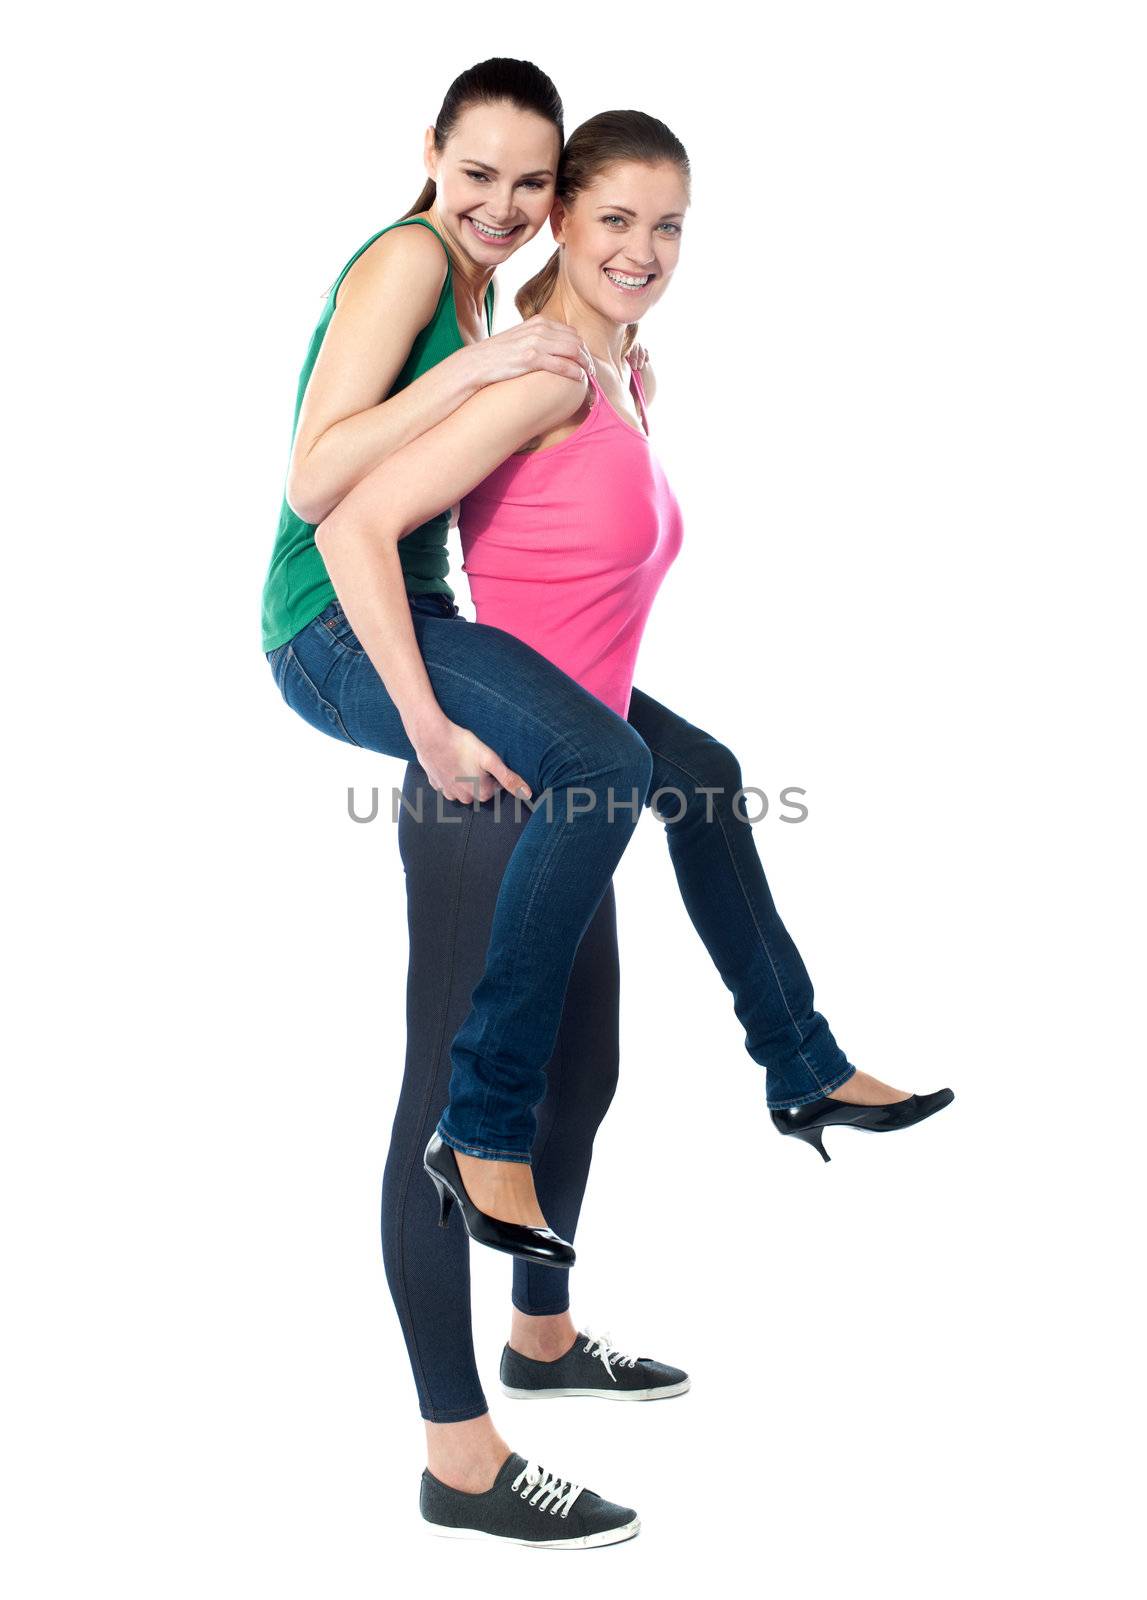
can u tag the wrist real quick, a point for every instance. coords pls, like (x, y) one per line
(470, 372)
(424, 723)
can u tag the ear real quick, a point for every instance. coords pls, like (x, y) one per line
(430, 154)
(558, 221)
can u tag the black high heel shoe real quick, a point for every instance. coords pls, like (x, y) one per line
(809, 1122)
(539, 1245)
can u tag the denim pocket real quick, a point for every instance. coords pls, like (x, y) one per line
(301, 694)
(333, 621)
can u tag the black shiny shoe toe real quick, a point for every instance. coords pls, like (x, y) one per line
(539, 1245)
(809, 1122)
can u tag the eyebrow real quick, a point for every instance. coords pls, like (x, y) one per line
(667, 217)
(538, 172)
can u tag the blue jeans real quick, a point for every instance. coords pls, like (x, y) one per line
(597, 770)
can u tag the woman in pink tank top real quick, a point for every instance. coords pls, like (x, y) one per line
(566, 546)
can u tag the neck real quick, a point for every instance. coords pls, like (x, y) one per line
(603, 338)
(474, 277)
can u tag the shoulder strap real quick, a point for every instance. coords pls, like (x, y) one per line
(404, 222)
(637, 389)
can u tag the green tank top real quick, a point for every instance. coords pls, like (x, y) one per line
(297, 586)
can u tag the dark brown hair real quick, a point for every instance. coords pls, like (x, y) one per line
(519, 83)
(603, 142)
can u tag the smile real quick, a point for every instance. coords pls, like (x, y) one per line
(626, 280)
(495, 235)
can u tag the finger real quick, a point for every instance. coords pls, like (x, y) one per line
(568, 369)
(510, 780)
(563, 342)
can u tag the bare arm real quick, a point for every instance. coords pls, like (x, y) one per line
(346, 425)
(358, 542)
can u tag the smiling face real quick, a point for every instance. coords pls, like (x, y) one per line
(495, 179)
(622, 237)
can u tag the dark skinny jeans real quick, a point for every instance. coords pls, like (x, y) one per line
(454, 869)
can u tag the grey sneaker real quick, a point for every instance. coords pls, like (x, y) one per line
(593, 1367)
(526, 1504)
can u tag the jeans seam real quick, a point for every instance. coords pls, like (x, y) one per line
(518, 709)
(277, 657)
(756, 925)
(322, 699)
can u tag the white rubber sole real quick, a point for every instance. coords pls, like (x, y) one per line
(609, 1536)
(663, 1393)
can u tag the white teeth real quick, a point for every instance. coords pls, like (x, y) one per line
(627, 282)
(491, 233)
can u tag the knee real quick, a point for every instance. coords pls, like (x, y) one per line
(616, 757)
(706, 777)
(633, 760)
(637, 765)
(719, 768)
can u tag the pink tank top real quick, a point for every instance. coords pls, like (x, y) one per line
(566, 547)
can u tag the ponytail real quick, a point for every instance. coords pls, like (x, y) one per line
(534, 293)
(424, 202)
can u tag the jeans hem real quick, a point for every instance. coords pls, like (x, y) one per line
(482, 1151)
(532, 1311)
(807, 1099)
(457, 1414)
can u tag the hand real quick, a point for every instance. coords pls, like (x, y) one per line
(537, 345)
(637, 355)
(451, 755)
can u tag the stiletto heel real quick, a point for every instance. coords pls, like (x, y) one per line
(539, 1245)
(809, 1122)
(815, 1137)
(445, 1200)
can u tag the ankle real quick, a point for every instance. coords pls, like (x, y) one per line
(542, 1338)
(466, 1455)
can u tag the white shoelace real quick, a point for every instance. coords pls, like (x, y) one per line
(600, 1345)
(545, 1490)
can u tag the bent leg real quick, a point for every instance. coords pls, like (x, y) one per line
(727, 896)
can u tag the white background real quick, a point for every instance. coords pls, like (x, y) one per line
(901, 400)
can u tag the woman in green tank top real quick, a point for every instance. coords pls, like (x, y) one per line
(411, 342)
